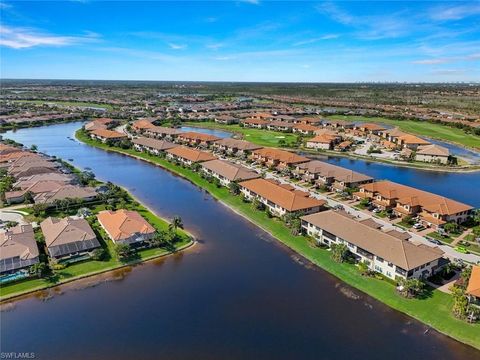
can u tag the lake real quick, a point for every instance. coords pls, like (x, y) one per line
(238, 294)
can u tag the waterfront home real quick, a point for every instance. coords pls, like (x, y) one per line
(160, 132)
(192, 138)
(68, 237)
(263, 116)
(39, 187)
(66, 192)
(411, 142)
(125, 226)
(105, 135)
(385, 254)
(325, 174)
(153, 146)
(339, 124)
(141, 125)
(304, 129)
(276, 158)
(280, 199)
(392, 135)
(433, 153)
(323, 142)
(101, 123)
(188, 156)
(433, 210)
(255, 123)
(473, 287)
(226, 171)
(27, 181)
(235, 147)
(225, 119)
(308, 120)
(343, 146)
(368, 128)
(282, 126)
(34, 167)
(18, 248)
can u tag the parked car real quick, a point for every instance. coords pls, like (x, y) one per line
(462, 249)
(418, 226)
(434, 241)
(377, 210)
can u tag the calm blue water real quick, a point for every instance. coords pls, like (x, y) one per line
(238, 294)
(215, 132)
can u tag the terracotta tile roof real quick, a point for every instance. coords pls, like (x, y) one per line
(191, 135)
(255, 121)
(164, 130)
(433, 150)
(108, 134)
(371, 127)
(305, 127)
(237, 144)
(399, 252)
(327, 170)
(287, 199)
(407, 195)
(18, 241)
(279, 155)
(65, 231)
(154, 143)
(473, 287)
(64, 192)
(122, 224)
(190, 154)
(142, 124)
(323, 139)
(412, 139)
(229, 170)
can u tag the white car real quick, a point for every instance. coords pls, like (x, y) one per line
(418, 226)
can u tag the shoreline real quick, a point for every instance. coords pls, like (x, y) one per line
(330, 153)
(394, 305)
(19, 295)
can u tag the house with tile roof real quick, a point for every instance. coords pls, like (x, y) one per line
(227, 172)
(18, 249)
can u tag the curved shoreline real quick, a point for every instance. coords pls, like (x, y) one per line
(330, 153)
(20, 295)
(304, 256)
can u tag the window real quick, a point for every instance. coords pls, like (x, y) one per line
(379, 259)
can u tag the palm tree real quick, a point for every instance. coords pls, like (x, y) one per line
(175, 224)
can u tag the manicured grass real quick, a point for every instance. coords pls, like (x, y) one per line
(89, 267)
(67, 103)
(437, 236)
(257, 136)
(434, 310)
(423, 128)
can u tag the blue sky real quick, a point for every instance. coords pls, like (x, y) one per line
(251, 40)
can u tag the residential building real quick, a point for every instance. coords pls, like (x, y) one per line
(125, 226)
(68, 237)
(153, 146)
(226, 119)
(473, 287)
(141, 125)
(188, 156)
(304, 129)
(18, 248)
(280, 199)
(433, 153)
(411, 142)
(66, 192)
(105, 135)
(235, 147)
(385, 254)
(226, 171)
(276, 158)
(368, 128)
(196, 139)
(255, 123)
(160, 132)
(282, 126)
(325, 174)
(321, 142)
(433, 210)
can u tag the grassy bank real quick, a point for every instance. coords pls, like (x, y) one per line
(92, 267)
(422, 128)
(61, 103)
(434, 310)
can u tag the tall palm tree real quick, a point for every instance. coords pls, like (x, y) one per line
(176, 223)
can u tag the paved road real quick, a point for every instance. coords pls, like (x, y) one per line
(449, 251)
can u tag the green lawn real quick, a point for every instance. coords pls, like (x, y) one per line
(67, 103)
(434, 310)
(423, 128)
(86, 268)
(256, 136)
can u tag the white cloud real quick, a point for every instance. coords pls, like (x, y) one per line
(317, 39)
(21, 38)
(177, 46)
(253, 2)
(215, 46)
(458, 12)
(445, 60)
(337, 14)
(5, 5)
